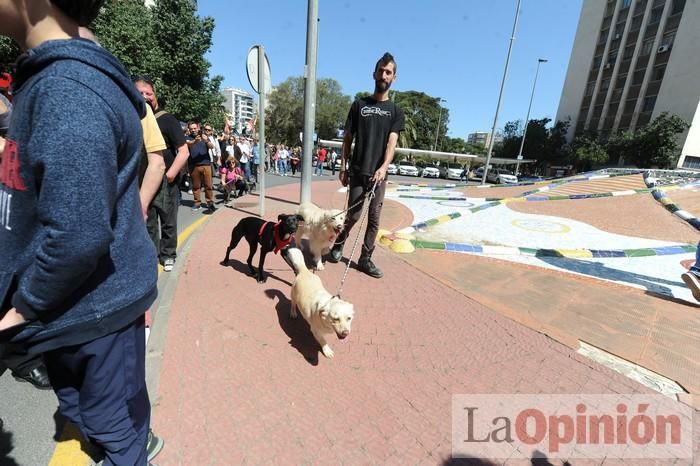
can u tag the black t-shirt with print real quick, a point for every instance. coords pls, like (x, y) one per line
(370, 122)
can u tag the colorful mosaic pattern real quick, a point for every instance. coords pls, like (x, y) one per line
(570, 253)
(660, 195)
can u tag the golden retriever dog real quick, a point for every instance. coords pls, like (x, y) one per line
(321, 227)
(325, 313)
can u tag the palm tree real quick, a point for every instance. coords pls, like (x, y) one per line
(408, 136)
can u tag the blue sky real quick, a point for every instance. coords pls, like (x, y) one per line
(454, 49)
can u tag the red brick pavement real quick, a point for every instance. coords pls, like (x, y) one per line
(242, 383)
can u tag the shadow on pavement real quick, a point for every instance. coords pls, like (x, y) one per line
(298, 331)
(538, 459)
(595, 269)
(242, 267)
(6, 447)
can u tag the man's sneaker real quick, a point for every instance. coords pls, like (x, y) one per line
(211, 207)
(367, 266)
(693, 282)
(168, 265)
(154, 445)
(196, 207)
(336, 253)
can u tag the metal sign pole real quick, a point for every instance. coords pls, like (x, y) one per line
(261, 128)
(309, 99)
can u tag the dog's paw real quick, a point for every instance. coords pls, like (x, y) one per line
(319, 265)
(262, 279)
(327, 351)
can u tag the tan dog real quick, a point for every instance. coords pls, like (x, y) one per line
(325, 313)
(321, 227)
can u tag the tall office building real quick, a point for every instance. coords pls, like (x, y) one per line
(240, 106)
(631, 61)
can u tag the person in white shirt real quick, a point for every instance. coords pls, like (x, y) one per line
(214, 147)
(245, 156)
(283, 160)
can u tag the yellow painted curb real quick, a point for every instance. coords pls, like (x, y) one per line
(403, 236)
(69, 451)
(574, 252)
(402, 246)
(381, 233)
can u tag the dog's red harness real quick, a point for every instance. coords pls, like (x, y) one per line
(279, 242)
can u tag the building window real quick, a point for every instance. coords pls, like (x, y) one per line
(655, 15)
(636, 23)
(610, 8)
(646, 47)
(638, 77)
(626, 3)
(668, 39)
(619, 29)
(620, 83)
(603, 36)
(659, 72)
(677, 6)
(596, 61)
(629, 51)
(648, 104)
(691, 162)
(629, 106)
(604, 85)
(589, 88)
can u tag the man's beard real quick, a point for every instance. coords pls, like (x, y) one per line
(381, 87)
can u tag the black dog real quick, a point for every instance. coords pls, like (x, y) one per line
(271, 236)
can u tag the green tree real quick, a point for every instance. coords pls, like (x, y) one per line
(166, 42)
(284, 118)
(653, 145)
(424, 110)
(543, 143)
(588, 153)
(9, 51)
(331, 108)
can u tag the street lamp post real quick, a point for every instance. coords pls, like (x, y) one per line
(437, 130)
(500, 94)
(527, 118)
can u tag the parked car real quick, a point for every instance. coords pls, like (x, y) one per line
(407, 168)
(430, 171)
(451, 170)
(392, 169)
(501, 176)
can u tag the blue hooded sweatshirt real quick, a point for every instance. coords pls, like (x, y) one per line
(75, 258)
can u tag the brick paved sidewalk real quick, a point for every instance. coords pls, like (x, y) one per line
(242, 383)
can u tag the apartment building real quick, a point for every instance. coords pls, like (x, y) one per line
(240, 106)
(631, 61)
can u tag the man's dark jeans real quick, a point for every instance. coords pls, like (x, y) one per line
(162, 220)
(358, 186)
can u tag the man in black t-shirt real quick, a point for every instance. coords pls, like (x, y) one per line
(374, 123)
(163, 208)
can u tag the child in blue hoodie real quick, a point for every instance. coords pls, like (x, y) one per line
(77, 268)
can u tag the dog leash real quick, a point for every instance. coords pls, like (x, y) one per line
(369, 195)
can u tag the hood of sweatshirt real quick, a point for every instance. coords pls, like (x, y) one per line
(35, 60)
